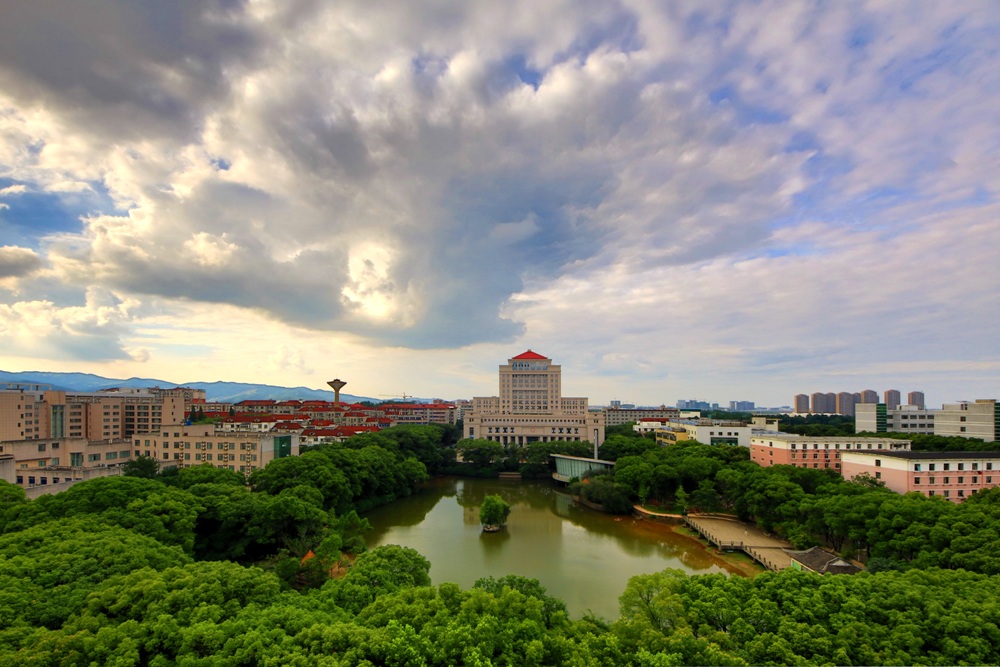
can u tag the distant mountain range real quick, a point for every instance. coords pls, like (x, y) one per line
(225, 392)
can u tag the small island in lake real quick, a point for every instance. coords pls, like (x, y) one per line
(493, 513)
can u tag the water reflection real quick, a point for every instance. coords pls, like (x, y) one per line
(581, 556)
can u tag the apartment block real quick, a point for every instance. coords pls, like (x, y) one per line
(181, 446)
(57, 461)
(952, 475)
(878, 418)
(802, 451)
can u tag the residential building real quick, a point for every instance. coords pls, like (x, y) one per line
(915, 398)
(775, 448)
(741, 406)
(58, 461)
(892, 398)
(800, 404)
(531, 407)
(952, 475)
(181, 446)
(868, 396)
(845, 403)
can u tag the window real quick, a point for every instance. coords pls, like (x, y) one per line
(930, 466)
(975, 480)
(930, 480)
(916, 467)
(878, 463)
(947, 480)
(961, 480)
(41, 447)
(961, 466)
(947, 466)
(947, 493)
(916, 480)
(878, 475)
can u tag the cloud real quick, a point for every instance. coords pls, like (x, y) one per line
(91, 331)
(18, 262)
(447, 175)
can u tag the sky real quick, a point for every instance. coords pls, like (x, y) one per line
(718, 201)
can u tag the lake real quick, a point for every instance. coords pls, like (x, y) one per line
(581, 556)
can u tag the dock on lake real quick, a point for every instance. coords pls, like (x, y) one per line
(734, 535)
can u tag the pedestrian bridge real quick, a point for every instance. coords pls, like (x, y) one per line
(568, 467)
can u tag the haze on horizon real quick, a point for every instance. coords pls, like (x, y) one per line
(671, 200)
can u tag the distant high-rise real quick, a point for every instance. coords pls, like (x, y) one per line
(845, 403)
(824, 403)
(891, 398)
(801, 403)
(869, 396)
(915, 398)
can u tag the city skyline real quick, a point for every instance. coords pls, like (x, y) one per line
(729, 203)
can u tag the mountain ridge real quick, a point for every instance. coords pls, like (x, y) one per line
(215, 391)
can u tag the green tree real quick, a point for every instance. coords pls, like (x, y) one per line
(145, 467)
(493, 512)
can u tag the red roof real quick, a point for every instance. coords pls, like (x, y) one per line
(530, 355)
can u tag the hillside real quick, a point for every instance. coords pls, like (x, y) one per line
(229, 392)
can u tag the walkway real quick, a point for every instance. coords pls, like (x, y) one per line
(734, 535)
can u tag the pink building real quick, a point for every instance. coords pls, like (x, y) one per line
(954, 475)
(801, 451)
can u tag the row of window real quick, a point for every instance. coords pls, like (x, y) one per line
(947, 480)
(947, 466)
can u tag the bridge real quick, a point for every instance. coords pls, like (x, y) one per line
(568, 467)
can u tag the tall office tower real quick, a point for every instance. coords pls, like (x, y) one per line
(801, 403)
(531, 407)
(891, 398)
(915, 398)
(845, 403)
(869, 396)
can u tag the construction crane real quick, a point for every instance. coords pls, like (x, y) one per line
(403, 396)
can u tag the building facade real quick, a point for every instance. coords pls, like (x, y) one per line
(617, 416)
(977, 419)
(531, 407)
(892, 398)
(182, 446)
(952, 475)
(801, 451)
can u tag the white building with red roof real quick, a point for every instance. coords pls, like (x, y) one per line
(530, 407)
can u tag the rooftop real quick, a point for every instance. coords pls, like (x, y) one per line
(530, 355)
(910, 455)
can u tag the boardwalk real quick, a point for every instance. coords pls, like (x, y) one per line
(733, 535)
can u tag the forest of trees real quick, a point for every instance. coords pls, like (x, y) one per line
(203, 567)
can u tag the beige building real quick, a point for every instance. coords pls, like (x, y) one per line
(531, 407)
(55, 461)
(979, 419)
(802, 451)
(181, 446)
(618, 416)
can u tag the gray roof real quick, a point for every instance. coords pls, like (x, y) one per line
(926, 455)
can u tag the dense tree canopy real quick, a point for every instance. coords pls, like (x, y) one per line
(199, 568)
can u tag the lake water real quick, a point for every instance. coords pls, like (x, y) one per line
(581, 556)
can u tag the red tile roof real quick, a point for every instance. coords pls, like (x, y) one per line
(530, 355)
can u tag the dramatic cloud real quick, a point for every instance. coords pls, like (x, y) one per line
(701, 193)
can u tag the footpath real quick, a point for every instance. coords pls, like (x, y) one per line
(733, 535)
